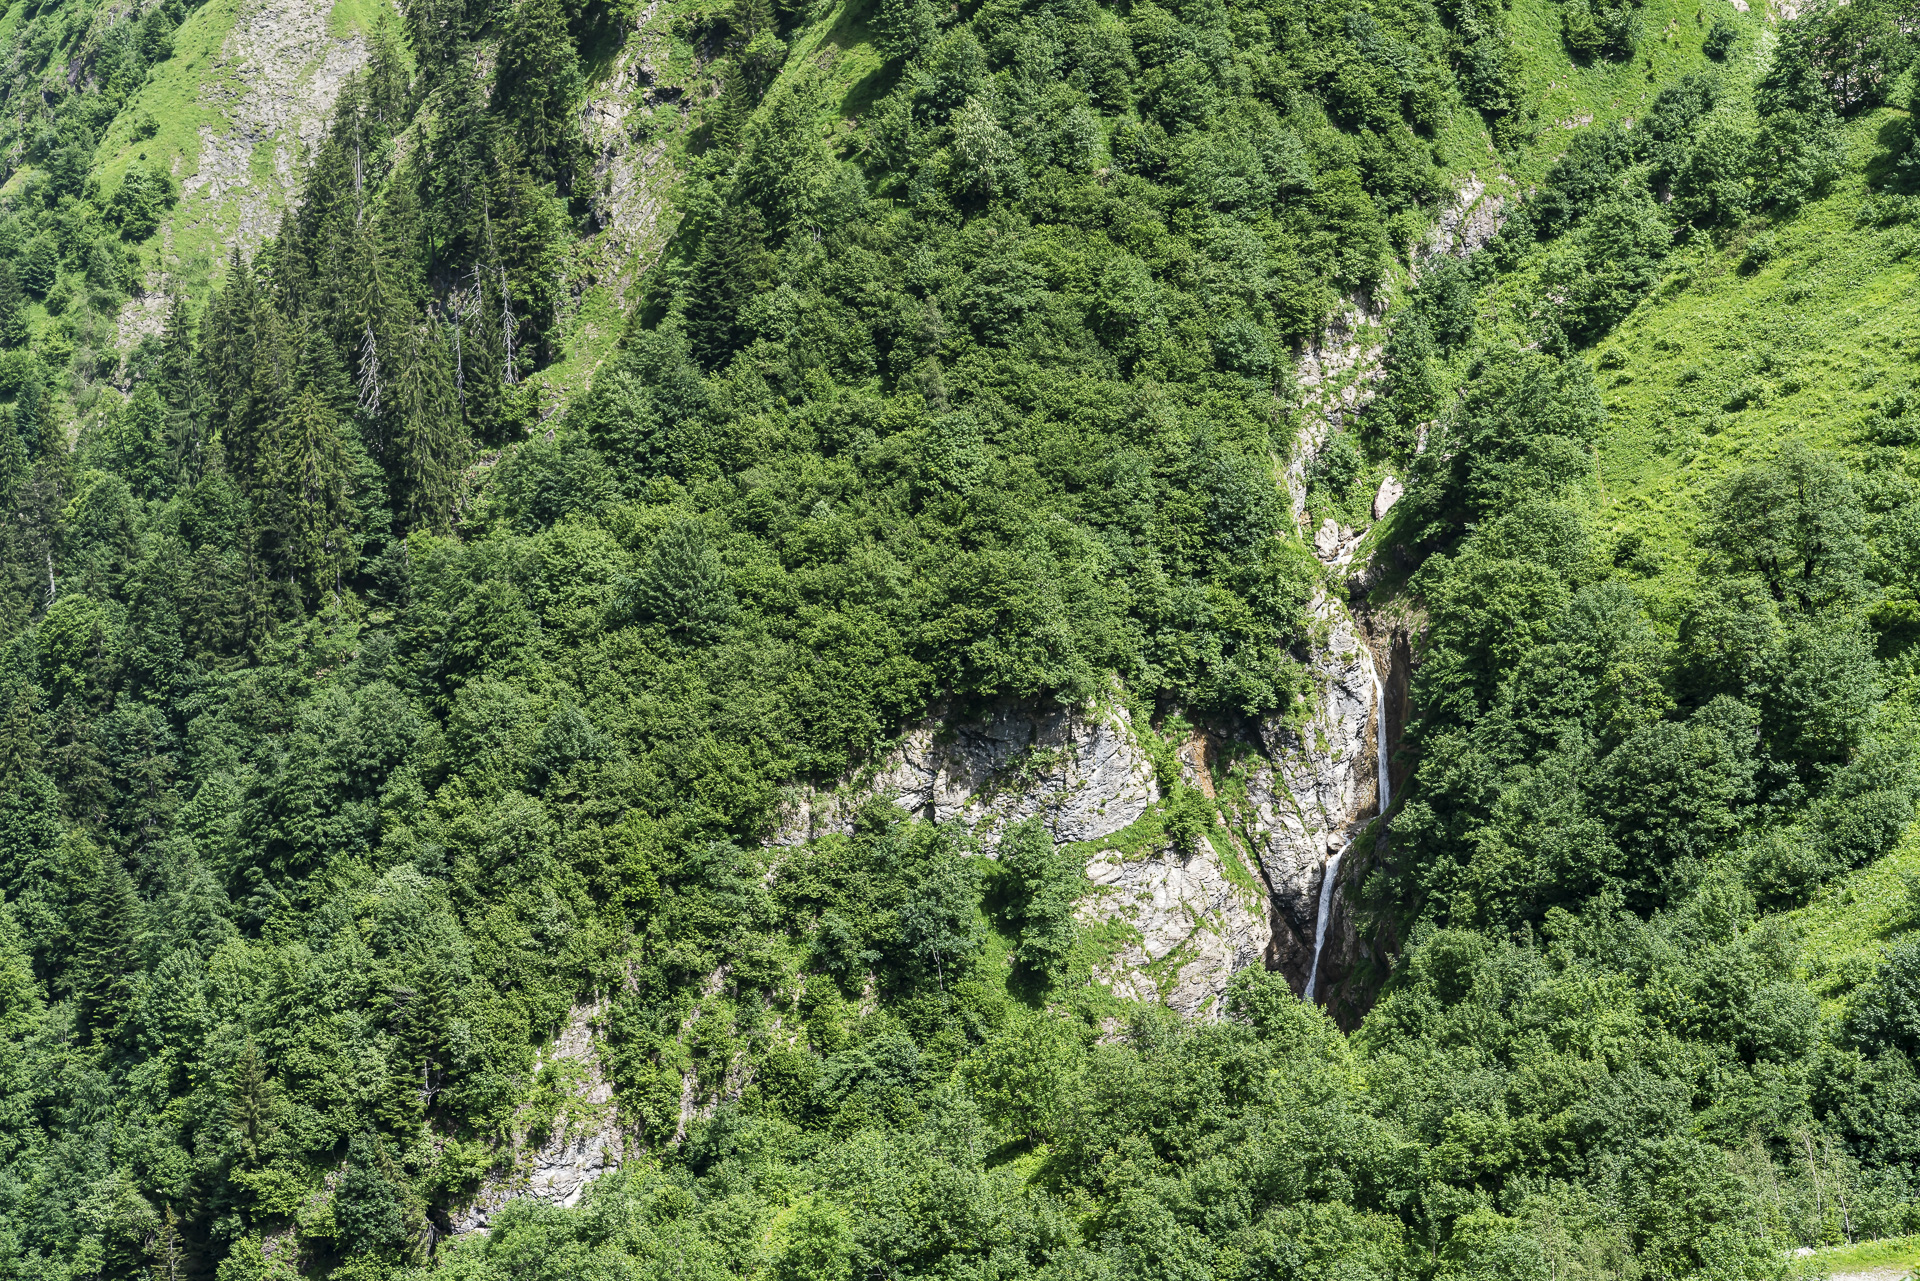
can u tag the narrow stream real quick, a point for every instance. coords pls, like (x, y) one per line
(1332, 876)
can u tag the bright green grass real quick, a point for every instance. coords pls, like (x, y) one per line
(597, 325)
(361, 18)
(174, 95)
(185, 96)
(1895, 1252)
(1846, 929)
(1566, 96)
(10, 21)
(1810, 341)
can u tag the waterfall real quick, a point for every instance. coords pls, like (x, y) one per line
(1326, 910)
(1379, 732)
(1332, 875)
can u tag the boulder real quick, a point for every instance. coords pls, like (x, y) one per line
(1390, 492)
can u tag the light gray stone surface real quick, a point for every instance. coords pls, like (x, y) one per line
(1083, 773)
(583, 1143)
(632, 178)
(1468, 223)
(275, 82)
(1390, 492)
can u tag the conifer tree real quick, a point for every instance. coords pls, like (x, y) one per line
(21, 1000)
(106, 956)
(13, 304)
(785, 161)
(427, 437)
(367, 1207)
(454, 171)
(321, 368)
(253, 430)
(482, 339)
(726, 274)
(419, 1050)
(736, 104)
(388, 97)
(376, 329)
(33, 421)
(434, 29)
(40, 265)
(310, 515)
(178, 377)
(249, 1105)
(682, 585)
(536, 86)
(228, 340)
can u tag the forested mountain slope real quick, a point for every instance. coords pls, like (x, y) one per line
(504, 498)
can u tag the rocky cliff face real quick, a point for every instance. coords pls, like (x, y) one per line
(1314, 789)
(1247, 898)
(556, 1161)
(1194, 919)
(263, 91)
(273, 87)
(628, 139)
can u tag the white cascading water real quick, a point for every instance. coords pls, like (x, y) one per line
(1326, 909)
(1379, 733)
(1332, 876)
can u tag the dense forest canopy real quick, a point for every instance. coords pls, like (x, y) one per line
(369, 707)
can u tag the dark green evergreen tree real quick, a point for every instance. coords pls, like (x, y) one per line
(106, 954)
(229, 338)
(13, 308)
(251, 444)
(178, 378)
(427, 430)
(727, 273)
(308, 512)
(538, 86)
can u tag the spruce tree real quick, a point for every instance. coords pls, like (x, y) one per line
(428, 441)
(482, 339)
(254, 429)
(377, 330)
(40, 265)
(726, 275)
(419, 1049)
(33, 420)
(309, 511)
(367, 1207)
(388, 97)
(13, 308)
(249, 1105)
(537, 85)
(682, 585)
(106, 957)
(434, 30)
(321, 368)
(179, 386)
(229, 341)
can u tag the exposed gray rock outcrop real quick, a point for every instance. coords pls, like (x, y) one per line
(1195, 918)
(1468, 224)
(275, 82)
(272, 87)
(1391, 491)
(631, 173)
(1315, 788)
(582, 1143)
(1084, 773)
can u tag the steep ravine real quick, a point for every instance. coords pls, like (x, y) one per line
(1249, 896)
